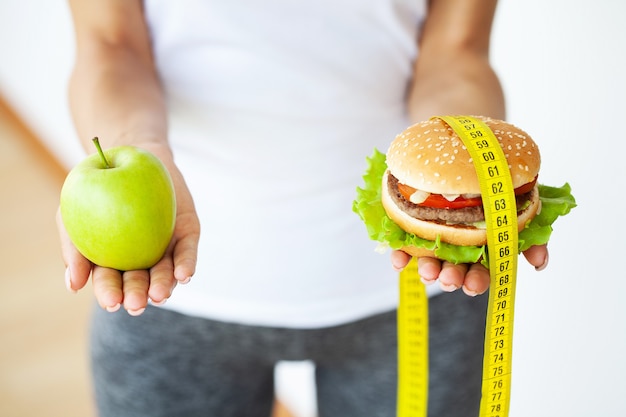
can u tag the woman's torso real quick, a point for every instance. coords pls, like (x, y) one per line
(274, 106)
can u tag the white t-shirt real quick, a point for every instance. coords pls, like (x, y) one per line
(274, 106)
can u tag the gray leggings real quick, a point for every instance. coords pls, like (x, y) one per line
(167, 364)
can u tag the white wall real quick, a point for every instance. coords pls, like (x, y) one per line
(36, 53)
(562, 66)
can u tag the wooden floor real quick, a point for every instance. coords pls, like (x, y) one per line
(43, 361)
(43, 328)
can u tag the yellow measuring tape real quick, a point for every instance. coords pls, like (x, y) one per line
(412, 344)
(501, 218)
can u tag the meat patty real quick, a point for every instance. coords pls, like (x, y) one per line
(443, 215)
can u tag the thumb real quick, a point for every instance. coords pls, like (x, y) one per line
(537, 256)
(78, 267)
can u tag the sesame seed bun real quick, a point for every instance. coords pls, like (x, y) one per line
(429, 156)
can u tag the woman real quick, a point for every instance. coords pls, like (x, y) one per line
(264, 113)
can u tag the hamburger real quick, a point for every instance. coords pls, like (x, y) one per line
(427, 201)
(431, 188)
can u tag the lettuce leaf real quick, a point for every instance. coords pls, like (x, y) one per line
(555, 202)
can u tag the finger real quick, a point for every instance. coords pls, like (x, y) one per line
(78, 268)
(428, 269)
(399, 259)
(186, 249)
(537, 256)
(107, 287)
(476, 280)
(162, 281)
(452, 276)
(136, 284)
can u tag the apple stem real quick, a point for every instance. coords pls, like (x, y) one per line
(99, 148)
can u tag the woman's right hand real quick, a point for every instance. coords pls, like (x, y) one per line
(133, 289)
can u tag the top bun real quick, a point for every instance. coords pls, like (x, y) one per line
(430, 156)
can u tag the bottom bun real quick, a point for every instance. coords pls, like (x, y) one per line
(456, 235)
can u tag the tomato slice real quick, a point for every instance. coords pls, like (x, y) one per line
(439, 201)
(526, 188)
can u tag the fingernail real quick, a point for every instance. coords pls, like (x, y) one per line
(68, 280)
(113, 309)
(185, 281)
(398, 266)
(158, 303)
(448, 287)
(469, 292)
(427, 281)
(136, 312)
(544, 264)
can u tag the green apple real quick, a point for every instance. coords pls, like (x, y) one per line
(119, 207)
